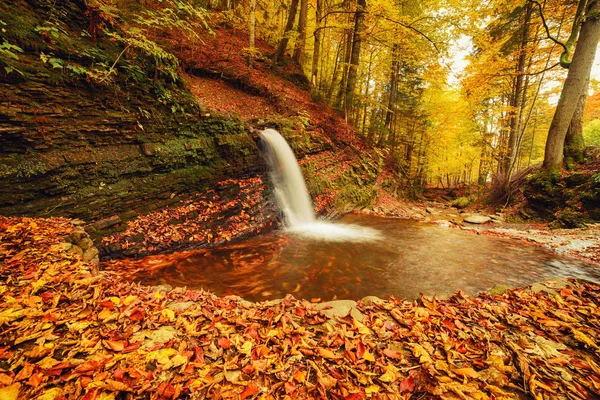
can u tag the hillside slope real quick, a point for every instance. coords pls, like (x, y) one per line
(116, 153)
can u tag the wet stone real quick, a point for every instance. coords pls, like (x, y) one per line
(90, 253)
(85, 243)
(477, 219)
(498, 290)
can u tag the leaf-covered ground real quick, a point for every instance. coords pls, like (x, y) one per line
(66, 333)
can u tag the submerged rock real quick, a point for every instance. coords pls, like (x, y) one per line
(477, 219)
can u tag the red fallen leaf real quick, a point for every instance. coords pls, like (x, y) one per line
(132, 347)
(25, 372)
(249, 369)
(35, 380)
(47, 296)
(88, 366)
(166, 390)
(360, 350)
(107, 304)
(407, 384)
(300, 311)
(91, 395)
(85, 381)
(223, 343)
(114, 345)
(392, 354)
(448, 324)
(289, 388)
(334, 372)
(119, 373)
(250, 390)
(355, 396)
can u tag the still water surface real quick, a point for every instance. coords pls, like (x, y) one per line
(412, 258)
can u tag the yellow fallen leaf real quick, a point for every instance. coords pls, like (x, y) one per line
(585, 339)
(104, 314)
(168, 314)
(10, 392)
(158, 295)
(246, 348)
(51, 394)
(37, 285)
(362, 328)
(115, 300)
(129, 299)
(372, 389)
(178, 360)
(470, 372)
(390, 374)
(368, 356)
(10, 315)
(162, 356)
(47, 363)
(421, 353)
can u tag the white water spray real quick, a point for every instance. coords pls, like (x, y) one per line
(293, 198)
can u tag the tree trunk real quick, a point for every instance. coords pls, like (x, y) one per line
(299, 48)
(317, 50)
(574, 87)
(280, 52)
(355, 56)
(393, 87)
(344, 82)
(516, 103)
(252, 31)
(574, 143)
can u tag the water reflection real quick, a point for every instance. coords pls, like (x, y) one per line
(414, 258)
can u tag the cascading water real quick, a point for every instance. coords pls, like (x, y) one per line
(290, 188)
(293, 198)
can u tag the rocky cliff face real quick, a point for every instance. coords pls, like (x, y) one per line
(89, 153)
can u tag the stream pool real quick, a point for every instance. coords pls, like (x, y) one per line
(413, 257)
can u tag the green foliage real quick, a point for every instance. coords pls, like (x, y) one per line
(461, 202)
(20, 166)
(591, 133)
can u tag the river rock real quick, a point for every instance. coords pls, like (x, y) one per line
(77, 235)
(85, 243)
(89, 254)
(477, 219)
(498, 290)
(76, 250)
(340, 308)
(372, 300)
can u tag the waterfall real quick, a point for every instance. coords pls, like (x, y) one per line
(293, 198)
(290, 188)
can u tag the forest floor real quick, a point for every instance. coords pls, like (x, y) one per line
(69, 331)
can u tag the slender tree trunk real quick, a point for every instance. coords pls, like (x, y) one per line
(317, 50)
(347, 53)
(393, 87)
(280, 52)
(516, 103)
(299, 49)
(574, 87)
(355, 56)
(252, 31)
